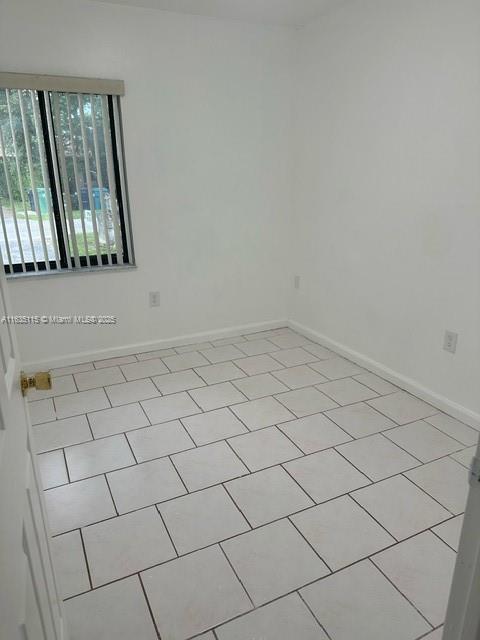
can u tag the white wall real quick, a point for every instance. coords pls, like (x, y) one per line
(386, 222)
(207, 132)
(385, 227)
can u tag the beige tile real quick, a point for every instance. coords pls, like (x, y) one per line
(187, 360)
(377, 384)
(61, 433)
(76, 505)
(423, 441)
(145, 484)
(222, 354)
(177, 382)
(217, 396)
(221, 372)
(326, 475)
(255, 387)
(294, 357)
(320, 352)
(69, 563)
(341, 532)
(128, 392)
(377, 457)
(336, 368)
(177, 405)
(208, 465)
(82, 402)
(360, 603)
(268, 495)
(194, 593)
(446, 481)
(450, 531)
(360, 420)
(209, 427)
(125, 545)
(402, 407)
(298, 377)
(455, 429)
(109, 422)
(98, 456)
(465, 457)
(273, 560)
(305, 402)
(144, 369)
(283, 619)
(262, 413)
(201, 519)
(401, 507)
(121, 603)
(314, 433)
(264, 448)
(422, 569)
(346, 391)
(257, 347)
(41, 411)
(98, 378)
(255, 365)
(159, 440)
(289, 340)
(53, 471)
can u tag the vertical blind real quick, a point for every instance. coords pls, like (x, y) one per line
(62, 186)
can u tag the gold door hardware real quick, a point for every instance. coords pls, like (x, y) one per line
(41, 380)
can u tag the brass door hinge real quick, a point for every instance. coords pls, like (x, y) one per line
(41, 380)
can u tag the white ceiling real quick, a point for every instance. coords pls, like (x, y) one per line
(293, 13)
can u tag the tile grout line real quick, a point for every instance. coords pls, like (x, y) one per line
(167, 530)
(187, 492)
(236, 575)
(129, 444)
(111, 496)
(142, 586)
(66, 466)
(85, 557)
(426, 492)
(313, 614)
(401, 593)
(289, 519)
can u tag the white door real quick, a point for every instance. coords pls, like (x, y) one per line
(463, 614)
(29, 605)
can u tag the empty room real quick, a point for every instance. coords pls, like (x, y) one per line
(240, 320)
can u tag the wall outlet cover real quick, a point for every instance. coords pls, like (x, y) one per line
(154, 298)
(450, 341)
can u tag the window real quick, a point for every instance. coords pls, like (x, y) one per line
(62, 182)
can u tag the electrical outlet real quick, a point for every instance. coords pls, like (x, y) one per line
(154, 297)
(296, 282)
(450, 342)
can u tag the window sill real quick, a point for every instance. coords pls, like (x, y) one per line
(71, 272)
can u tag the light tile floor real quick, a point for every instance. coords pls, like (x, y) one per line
(257, 486)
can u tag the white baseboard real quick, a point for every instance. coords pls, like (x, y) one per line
(142, 347)
(408, 384)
